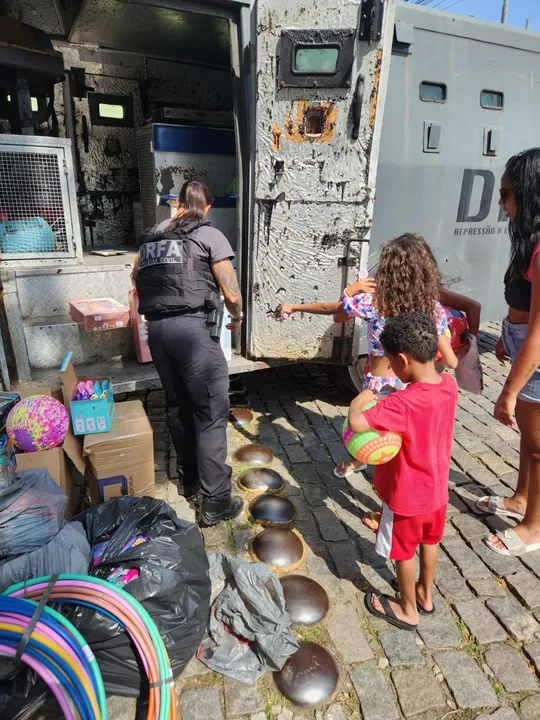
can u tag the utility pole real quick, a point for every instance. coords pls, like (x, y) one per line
(504, 11)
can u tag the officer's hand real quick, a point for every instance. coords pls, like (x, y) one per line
(234, 324)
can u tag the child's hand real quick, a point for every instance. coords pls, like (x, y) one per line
(357, 421)
(362, 399)
(285, 311)
(366, 285)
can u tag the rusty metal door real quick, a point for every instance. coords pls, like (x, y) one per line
(316, 155)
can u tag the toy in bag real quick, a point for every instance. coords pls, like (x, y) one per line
(469, 374)
(173, 584)
(121, 575)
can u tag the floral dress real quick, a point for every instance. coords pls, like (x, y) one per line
(361, 306)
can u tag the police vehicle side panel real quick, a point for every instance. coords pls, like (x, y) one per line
(440, 162)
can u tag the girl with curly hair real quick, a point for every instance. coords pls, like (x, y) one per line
(407, 280)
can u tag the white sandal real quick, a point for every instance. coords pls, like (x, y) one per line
(349, 471)
(514, 545)
(494, 505)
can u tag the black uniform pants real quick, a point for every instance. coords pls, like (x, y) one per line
(195, 377)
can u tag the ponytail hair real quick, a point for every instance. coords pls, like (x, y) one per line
(194, 198)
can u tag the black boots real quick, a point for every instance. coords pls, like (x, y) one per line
(194, 502)
(214, 511)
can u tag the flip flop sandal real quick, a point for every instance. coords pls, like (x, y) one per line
(395, 587)
(514, 545)
(373, 517)
(350, 471)
(494, 505)
(388, 615)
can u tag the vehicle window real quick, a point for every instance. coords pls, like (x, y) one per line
(432, 92)
(111, 110)
(316, 59)
(108, 110)
(491, 100)
(34, 103)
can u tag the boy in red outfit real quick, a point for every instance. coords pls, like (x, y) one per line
(414, 485)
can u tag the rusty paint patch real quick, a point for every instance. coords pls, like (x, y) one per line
(295, 129)
(329, 123)
(276, 137)
(375, 91)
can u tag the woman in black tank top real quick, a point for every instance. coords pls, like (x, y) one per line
(520, 343)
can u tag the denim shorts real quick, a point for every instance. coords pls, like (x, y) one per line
(513, 337)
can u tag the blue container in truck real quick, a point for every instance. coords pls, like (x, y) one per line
(26, 236)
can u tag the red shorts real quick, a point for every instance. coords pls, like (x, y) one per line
(399, 536)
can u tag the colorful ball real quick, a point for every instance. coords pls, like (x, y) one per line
(37, 423)
(459, 328)
(371, 447)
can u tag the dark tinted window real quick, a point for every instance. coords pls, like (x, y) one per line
(491, 100)
(432, 92)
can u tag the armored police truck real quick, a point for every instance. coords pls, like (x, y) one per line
(292, 113)
(108, 106)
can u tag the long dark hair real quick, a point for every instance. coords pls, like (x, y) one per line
(524, 172)
(407, 277)
(194, 198)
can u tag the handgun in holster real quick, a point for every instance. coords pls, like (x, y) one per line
(214, 319)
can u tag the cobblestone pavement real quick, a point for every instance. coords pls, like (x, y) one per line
(477, 657)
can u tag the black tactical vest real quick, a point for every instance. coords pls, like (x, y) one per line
(170, 280)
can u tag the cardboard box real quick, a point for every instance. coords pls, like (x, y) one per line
(87, 416)
(99, 314)
(121, 462)
(57, 460)
(140, 331)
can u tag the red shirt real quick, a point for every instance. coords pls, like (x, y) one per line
(415, 482)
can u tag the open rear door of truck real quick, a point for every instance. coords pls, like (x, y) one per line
(322, 71)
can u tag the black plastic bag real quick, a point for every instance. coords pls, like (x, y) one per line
(173, 586)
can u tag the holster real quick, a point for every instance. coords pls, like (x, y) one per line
(214, 318)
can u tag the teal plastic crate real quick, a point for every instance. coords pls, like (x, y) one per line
(88, 417)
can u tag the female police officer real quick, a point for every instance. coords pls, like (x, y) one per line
(181, 267)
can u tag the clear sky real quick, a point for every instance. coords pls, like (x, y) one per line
(518, 10)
